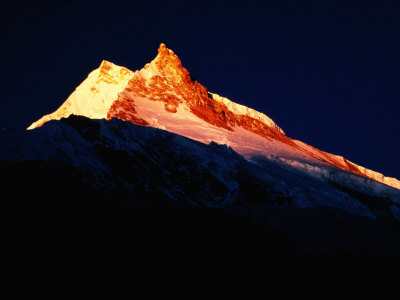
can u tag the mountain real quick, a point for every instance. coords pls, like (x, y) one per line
(94, 201)
(164, 95)
(140, 174)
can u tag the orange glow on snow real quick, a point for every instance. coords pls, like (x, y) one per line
(113, 91)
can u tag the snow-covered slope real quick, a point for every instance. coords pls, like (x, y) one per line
(147, 165)
(94, 96)
(165, 96)
(119, 155)
(97, 201)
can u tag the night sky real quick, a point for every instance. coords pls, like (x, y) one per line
(326, 72)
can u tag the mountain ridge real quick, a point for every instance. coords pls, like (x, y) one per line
(99, 200)
(163, 93)
(119, 156)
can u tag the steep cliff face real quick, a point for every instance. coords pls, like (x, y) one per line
(164, 95)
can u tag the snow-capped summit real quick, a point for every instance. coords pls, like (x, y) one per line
(94, 96)
(166, 64)
(164, 95)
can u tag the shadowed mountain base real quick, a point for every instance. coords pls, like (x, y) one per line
(61, 232)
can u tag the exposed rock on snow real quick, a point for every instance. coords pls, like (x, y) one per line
(164, 95)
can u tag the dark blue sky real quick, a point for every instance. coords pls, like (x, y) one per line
(326, 72)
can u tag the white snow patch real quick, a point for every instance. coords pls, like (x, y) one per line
(93, 97)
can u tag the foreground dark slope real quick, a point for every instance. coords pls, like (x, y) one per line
(93, 209)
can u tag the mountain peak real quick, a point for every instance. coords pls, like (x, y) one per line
(163, 94)
(163, 51)
(168, 64)
(162, 47)
(104, 63)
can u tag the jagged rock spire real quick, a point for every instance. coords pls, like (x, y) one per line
(170, 65)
